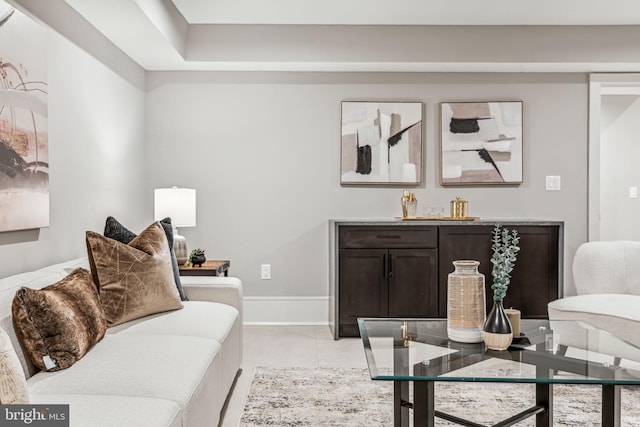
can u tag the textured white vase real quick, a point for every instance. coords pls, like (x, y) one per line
(466, 312)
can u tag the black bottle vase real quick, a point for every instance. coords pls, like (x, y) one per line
(497, 332)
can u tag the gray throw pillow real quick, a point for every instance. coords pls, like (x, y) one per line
(113, 229)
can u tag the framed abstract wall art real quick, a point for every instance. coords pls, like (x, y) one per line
(381, 143)
(481, 143)
(24, 156)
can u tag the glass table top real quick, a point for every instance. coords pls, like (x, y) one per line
(547, 352)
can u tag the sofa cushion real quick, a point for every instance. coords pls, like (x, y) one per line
(59, 323)
(108, 411)
(615, 313)
(197, 319)
(134, 279)
(115, 230)
(210, 320)
(13, 385)
(184, 370)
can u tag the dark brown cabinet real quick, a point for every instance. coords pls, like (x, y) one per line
(400, 269)
(386, 273)
(535, 279)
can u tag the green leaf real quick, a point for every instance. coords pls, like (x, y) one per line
(504, 245)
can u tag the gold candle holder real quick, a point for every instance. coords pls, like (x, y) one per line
(459, 208)
(409, 204)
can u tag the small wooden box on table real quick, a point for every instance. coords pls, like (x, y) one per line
(209, 268)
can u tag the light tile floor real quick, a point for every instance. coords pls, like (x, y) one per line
(289, 346)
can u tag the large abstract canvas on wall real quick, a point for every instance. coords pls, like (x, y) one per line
(24, 156)
(381, 143)
(481, 143)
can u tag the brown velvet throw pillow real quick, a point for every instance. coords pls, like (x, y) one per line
(58, 324)
(134, 279)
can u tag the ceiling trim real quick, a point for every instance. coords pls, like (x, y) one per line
(156, 36)
(169, 22)
(403, 67)
(411, 12)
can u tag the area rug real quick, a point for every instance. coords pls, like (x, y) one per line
(348, 397)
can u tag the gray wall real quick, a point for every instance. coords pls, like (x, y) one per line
(262, 149)
(96, 155)
(263, 152)
(619, 153)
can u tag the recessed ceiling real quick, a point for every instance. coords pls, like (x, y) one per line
(371, 35)
(411, 12)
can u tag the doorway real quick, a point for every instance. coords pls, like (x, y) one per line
(614, 157)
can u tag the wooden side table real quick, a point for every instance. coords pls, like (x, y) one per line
(209, 268)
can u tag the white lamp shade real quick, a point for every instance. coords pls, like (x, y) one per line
(177, 203)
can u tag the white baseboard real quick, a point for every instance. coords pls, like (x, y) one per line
(286, 310)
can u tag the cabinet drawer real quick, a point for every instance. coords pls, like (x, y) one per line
(388, 237)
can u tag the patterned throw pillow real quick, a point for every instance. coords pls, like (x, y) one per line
(115, 230)
(13, 385)
(135, 279)
(58, 324)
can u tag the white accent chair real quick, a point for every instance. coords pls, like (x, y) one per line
(607, 280)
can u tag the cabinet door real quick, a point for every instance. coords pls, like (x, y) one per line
(463, 242)
(413, 277)
(534, 280)
(363, 287)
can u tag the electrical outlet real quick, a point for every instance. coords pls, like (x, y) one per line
(265, 271)
(633, 192)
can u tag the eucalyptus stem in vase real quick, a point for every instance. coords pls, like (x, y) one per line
(497, 332)
(505, 249)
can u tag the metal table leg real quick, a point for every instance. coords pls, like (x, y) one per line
(611, 405)
(424, 412)
(400, 406)
(544, 397)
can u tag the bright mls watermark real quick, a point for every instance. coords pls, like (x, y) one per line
(34, 415)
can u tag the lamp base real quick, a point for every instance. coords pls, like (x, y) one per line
(180, 247)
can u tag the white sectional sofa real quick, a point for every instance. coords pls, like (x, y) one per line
(169, 369)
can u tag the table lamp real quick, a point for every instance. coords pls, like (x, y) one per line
(179, 204)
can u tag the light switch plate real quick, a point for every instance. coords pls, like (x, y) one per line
(553, 183)
(633, 192)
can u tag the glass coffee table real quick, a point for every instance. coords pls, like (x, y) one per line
(547, 353)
